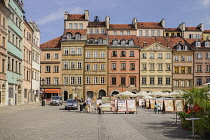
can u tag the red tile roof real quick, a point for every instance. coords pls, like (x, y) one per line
(146, 41)
(206, 31)
(54, 43)
(97, 36)
(99, 23)
(175, 40)
(76, 17)
(172, 30)
(192, 42)
(120, 37)
(121, 26)
(153, 25)
(73, 32)
(192, 29)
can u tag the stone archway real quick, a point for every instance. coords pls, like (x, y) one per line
(101, 94)
(90, 94)
(65, 95)
(115, 93)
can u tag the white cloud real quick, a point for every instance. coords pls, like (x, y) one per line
(205, 2)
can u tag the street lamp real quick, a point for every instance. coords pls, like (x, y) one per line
(43, 102)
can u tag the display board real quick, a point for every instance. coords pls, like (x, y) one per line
(121, 106)
(179, 105)
(106, 99)
(147, 103)
(159, 102)
(141, 102)
(168, 104)
(131, 105)
(106, 107)
(152, 103)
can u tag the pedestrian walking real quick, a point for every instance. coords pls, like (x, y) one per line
(88, 104)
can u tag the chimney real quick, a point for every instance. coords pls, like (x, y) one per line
(86, 15)
(201, 27)
(66, 14)
(134, 22)
(182, 26)
(162, 22)
(107, 19)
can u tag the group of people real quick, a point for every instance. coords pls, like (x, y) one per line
(88, 106)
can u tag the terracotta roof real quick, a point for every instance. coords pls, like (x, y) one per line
(99, 23)
(192, 29)
(146, 41)
(192, 42)
(96, 36)
(121, 26)
(206, 31)
(153, 25)
(173, 41)
(76, 17)
(73, 32)
(172, 30)
(120, 37)
(54, 43)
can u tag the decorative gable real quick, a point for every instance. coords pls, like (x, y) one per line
(156, 47)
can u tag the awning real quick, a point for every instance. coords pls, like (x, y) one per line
(52, 90)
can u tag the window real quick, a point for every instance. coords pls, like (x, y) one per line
(114, 53)
(90, 31)
(3, 65)
(152, 56)
(70, 25)
(48, 56)
(168, 81)
(77, 36)
(88, 67)
(102, 54)
(160, 81)
(144, 55)
(140, 32)
(56, 68)
(176, 83)
(132, 80)
(152, 81)
(66, 81)
(160, 66)
(115, 32)
(189, 83)
(152, 33)
(68, 35)
(197, 36)
(158, 32)
(123, 66)
(79, 50)
(132, 66)
(189, 58)
(79, 80)
(96, 31)
(102, 80)
(113, 81)
(73, 51)
(123, 42)
(3, 42)
(95, 54)
(207, 80)
(199, 68)
(47, 80)
(146, 33)
(65, 65)
(88, 54)
(207, 68)
(198, 44)
(47, 68)
(102, 31)
(56, 56)
(190, 35)
(55, 80)
(66, 51)
(182, 69)
(152, 67)
(128, 32)
(144, 66)
(123, 53)
(75, 25)
(179, 48)
(79, 65)
(168, 66)
(182, 83)
(176, 70)
(130, 43)
(113, 66)
(199, 82)
(100, 41)
(95, 80)
(208, 55)
(72, 65)
(176, 58)
(144, 82)
(72, 80)
(131, 53)
(160, 55)
(95, 67)
(121, 32)
(102, 67)
(81, 25)
(182, 58)
(185, 48)
(123, 81)
(189, 70)
(206, 44)
(199, 55)
(115, 42)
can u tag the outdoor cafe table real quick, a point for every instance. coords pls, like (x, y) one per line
(192, 119)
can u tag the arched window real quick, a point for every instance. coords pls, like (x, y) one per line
(131, 43)
(77, 36)
(114, 42)
(100, 41)
(91, 41)
(123, 42)
(68, 36)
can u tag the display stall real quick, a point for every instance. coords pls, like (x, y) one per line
(106, 104)
(121, 105)
(147, 103)
(168, 105)
(152, 103)
(178, 105)
(141, 102)
(131, 105)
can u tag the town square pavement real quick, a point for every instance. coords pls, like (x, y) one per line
(35, 122)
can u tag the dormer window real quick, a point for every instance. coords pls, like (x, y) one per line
(206, 43)
(131, 43)
(179, 48)
(115, 42)
(123, 42)
(198, 44)
(92, 41)
(100, 41)
(68, 35)
(77, 36)
(185, 48)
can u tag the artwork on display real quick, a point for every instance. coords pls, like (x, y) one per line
(106, 107)
(147, 103)
(141, 102)
(179, 105)
(131, 105)
(152, 103)
(98, 102)
(106, 99)
(169, 106)
(159, 102)
(121, 106)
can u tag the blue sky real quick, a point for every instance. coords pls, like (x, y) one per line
(49, 14)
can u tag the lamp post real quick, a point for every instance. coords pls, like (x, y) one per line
(43, 101)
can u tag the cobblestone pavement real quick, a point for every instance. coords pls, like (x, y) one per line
(35, 122)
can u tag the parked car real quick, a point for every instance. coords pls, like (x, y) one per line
(56, 100)
(71, 104)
